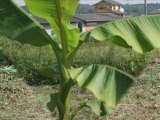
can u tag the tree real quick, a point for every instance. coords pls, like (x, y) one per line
(107, 83)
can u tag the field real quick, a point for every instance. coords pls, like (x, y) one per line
(22, 81)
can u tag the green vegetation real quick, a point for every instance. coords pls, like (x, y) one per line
(30, 66)
(107, 83)
(138, 9)
(19, 101)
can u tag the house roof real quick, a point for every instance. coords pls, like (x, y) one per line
(75, 20)
(97, 17)
(87, 18)
(111, 2)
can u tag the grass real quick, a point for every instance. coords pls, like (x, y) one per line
(19, 90)
(30, 60)
(107, 53)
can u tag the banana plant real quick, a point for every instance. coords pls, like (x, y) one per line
(108, 84)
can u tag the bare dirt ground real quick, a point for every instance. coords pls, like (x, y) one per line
(19, 101)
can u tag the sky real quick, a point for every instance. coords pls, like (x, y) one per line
(20, 2)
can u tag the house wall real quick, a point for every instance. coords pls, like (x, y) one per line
(104, 7)
(88, 28)
(116, 7)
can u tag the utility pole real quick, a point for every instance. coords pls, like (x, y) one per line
(145, 7)
(80, 7)
(129, 7)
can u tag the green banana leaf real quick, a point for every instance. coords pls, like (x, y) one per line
(142, 34)
(58, 13)
(49, 100)
(17, 25)
(108, 84)
(97, 107)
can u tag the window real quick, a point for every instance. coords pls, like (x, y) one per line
(102, 7)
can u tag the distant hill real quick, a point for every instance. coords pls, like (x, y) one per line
(133, 9)
(138, 9)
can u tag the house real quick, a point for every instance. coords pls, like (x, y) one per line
(109, 6)
(90, 21)
(85, 22)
